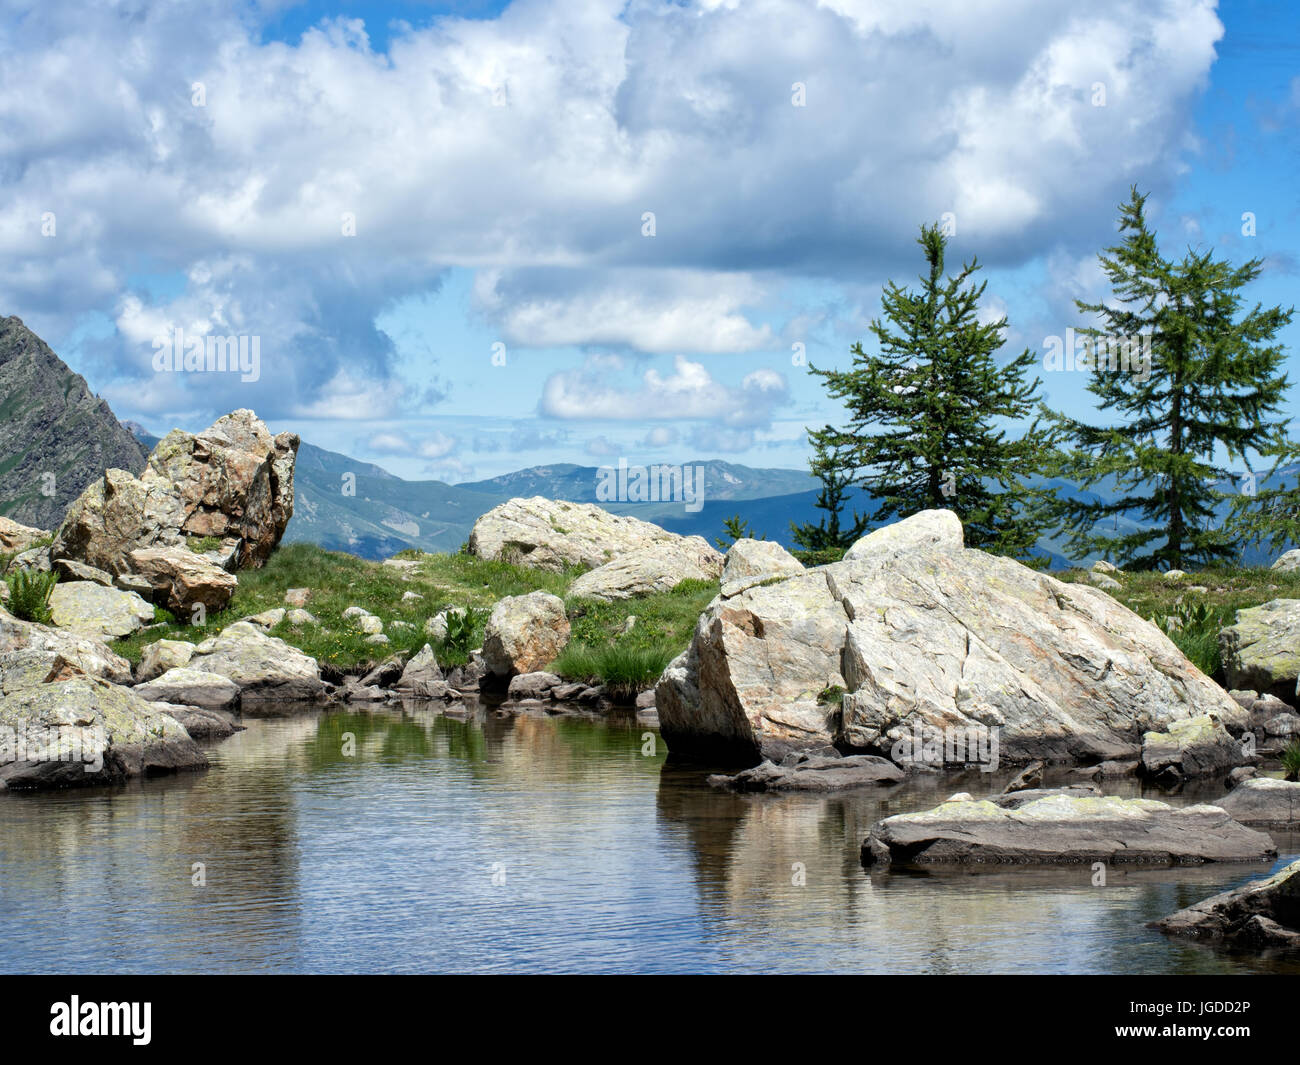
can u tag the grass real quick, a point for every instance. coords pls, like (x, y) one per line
(599, 649)
(199, 544)
(1193, 619)
(1291, 760)
(29, 594)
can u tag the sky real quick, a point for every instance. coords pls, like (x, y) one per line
(472, 237)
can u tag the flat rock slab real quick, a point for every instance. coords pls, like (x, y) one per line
(1264, 801)
(814, 773)
(91, 609)
(1263, 914)
(1063, 827)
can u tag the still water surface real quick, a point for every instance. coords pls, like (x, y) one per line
(533, 843)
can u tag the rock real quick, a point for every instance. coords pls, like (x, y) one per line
(386, 674)
(629, 623)
(1195, 747)
(524, 633)
(1261, 651)
(1172, 576)
(76, 729)
(297, 597)
(1064, 827)
(1030, 777)
(646, 700)
(1106, 584)
(1264, 801)
(376, 638)
(158, 657)
(467, 678)
(556, 535)
(264, 667)
(421, 676)
(812, 773)
(751, 562)
(948, 640)
(927, 530)
(181, 579)
(1107, 770)
(16, 537)
(574, 691)
(192, 687)
(1102, 566)
(34, 558)
(95, 610)
(202, 723)
(411, 597)
(1288, 561)
(1283, 725)
(267, 619)
(1240, 774)
(70, 570)
(133, 582)
(297, 616)
(657, 567)
(405, 566)
(370, 625)
(233, 481)
(535, 685)
(86, 654)
(1259, 915)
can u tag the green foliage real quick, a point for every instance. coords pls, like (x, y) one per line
(734, 529)
(625, 670)
(199, 544)
(1213, 388)
(29, 594)
(831, 463)
(464, 631)
(924, 417)
(831, 696)
(819, 557)
(1291, 760)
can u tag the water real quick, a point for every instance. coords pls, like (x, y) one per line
(533, 843)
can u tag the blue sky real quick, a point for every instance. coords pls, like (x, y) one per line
(499, 302)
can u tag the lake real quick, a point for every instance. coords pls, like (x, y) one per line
(529, 842)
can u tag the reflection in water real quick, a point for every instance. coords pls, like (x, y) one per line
(414, 840)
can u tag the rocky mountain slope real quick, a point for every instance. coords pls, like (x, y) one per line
(56, 436)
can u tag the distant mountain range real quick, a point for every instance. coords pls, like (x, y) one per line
(56, 436)
(51, 423)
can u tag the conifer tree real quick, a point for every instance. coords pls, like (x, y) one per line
(1208, 391)
(924, 412)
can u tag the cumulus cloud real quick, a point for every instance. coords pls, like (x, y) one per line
(316, 183)
(689, 392)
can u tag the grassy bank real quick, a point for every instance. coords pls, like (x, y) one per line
(1194, 609)
(603, 645)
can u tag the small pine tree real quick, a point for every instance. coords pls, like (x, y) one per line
(1209, 388)
(733, 529)
(923, 413)
(831, 466)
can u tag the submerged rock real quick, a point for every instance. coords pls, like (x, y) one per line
(923, 635)
(1260, 915)
(1195, 747)
(1066, 826)
(1264, 801)
(807, 772)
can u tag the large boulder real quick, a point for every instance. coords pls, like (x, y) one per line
(192, 687)
(15, 537)
(87, 654)
(1261, 652)
(751, 562)
(1260, 915)
(556, 535)
(1288, 561)
(929, 639)
(1264, 801)
(926, 530)
(233, 481)
(265, 668)
(1063, 827)
(64, 728)
(1193, 747)
(658, 567)
(524, 633)
(93, 610)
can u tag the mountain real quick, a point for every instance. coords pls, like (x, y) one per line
(56, 437)
(722, 480)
